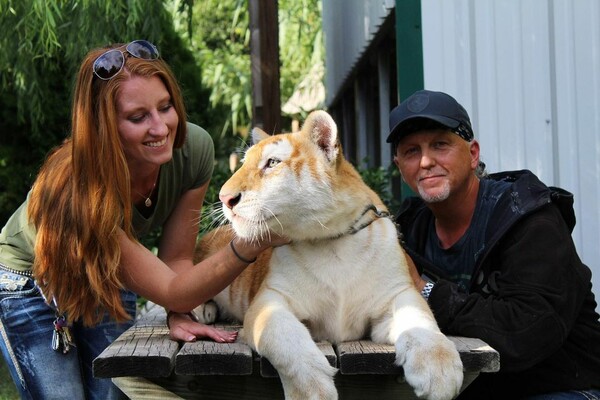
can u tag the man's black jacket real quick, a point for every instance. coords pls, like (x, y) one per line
(530, 295)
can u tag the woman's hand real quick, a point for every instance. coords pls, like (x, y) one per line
(183, 328)
(249, 250)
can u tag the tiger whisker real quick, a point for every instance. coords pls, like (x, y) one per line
(276, 219)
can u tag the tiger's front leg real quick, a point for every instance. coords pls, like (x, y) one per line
(275, 333)
(431, 363)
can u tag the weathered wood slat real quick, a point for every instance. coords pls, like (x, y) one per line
(366, 357)
(205, 357)
(145, 351)
(211, 358)
(476, 355)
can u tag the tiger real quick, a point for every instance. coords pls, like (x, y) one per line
(344, 276)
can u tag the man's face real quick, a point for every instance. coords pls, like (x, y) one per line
(436, 163)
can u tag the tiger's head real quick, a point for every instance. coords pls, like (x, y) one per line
(296, 184)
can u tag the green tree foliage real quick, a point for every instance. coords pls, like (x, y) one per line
(378, 179)
(38, 63)
(221, 43)
(220, 39)
(300, 41)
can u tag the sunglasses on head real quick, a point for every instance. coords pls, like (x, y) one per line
(111, 62)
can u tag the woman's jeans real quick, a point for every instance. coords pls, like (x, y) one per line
(26, 327)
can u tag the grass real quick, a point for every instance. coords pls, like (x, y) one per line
(7, 387)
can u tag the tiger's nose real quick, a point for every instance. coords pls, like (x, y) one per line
(230, 200)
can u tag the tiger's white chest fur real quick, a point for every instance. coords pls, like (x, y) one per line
(343, 277)
(336, 287)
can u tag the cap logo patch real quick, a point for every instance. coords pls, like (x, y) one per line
(418, 103)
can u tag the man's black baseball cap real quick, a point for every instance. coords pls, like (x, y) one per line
(425, 104)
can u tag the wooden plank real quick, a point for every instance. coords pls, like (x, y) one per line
(476, 355)
(205, 357)
(141, 351)
(268, 371)
(366, 357)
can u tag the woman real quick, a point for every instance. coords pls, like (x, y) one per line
(70, 257)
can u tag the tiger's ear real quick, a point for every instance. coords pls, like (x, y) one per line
(258, 135)
(322, 130)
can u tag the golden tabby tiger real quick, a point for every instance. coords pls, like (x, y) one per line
(343, 277)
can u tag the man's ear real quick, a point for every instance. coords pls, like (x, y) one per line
(397, 163)
(475, 152)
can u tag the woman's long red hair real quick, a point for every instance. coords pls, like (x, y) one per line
(81, 197)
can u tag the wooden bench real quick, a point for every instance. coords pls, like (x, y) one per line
(145, 363)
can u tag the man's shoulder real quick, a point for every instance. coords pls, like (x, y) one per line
(532, 193)
(525, 188)
(515, 176)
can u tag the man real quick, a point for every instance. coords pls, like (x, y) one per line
(495, 257)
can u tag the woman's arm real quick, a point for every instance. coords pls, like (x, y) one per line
(178, 239)
(176, 249)
(148, 276)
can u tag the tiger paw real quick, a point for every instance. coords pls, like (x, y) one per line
(207, 313)
(431, 364)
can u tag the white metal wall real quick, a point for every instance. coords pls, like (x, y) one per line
(528, 72)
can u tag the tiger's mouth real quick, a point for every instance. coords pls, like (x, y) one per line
(251, 222)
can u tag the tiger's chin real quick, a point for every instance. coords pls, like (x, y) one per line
(252, 232)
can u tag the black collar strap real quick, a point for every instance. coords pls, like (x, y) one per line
(378, 214)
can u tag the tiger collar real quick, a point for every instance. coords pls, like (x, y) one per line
(357, 225)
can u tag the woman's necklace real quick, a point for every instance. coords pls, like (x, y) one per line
(148, 201)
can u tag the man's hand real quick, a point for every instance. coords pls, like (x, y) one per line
(183, 328)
